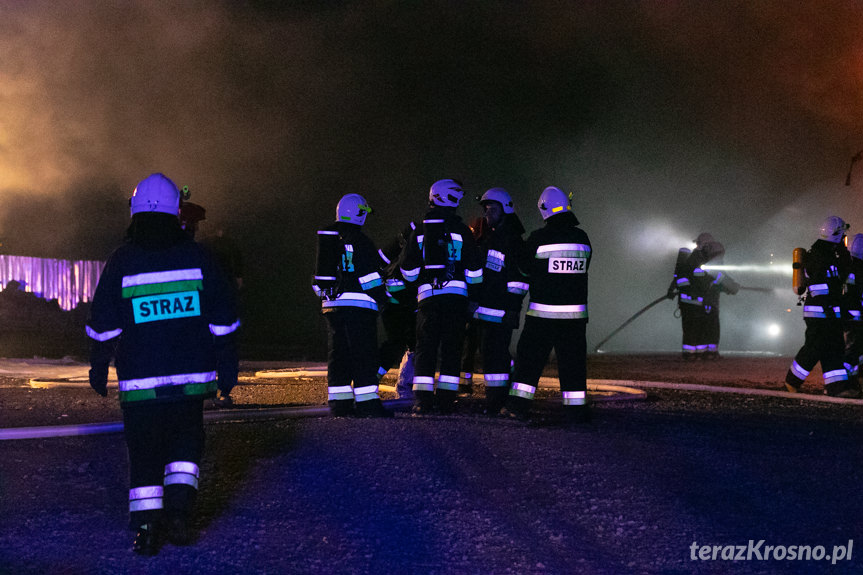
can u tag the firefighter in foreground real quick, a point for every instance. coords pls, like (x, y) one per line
(698, 300)
(443, 259)
(555, 260)
(351, 289)
(854, 317)
(164, 313)
(503, 289)
(825, 267)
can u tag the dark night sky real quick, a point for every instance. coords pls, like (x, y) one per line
(664, 118)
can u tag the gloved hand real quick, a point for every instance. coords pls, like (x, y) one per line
(671, 293)
(99, 380)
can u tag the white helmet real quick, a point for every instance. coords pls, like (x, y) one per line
(552, 201)
(833, 229)
(156, 193)
(501, 196)
(352, 209)
(447, 193)
(857, 247)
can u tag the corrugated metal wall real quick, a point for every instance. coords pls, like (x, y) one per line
(69, 282)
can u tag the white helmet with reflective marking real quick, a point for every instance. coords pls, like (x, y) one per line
(446, 193)
(352, 209)
(552, 201)
(833, 229)
(857, 246)
(156, 193)
(501, 196)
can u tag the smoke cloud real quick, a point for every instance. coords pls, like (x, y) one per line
(664, 118)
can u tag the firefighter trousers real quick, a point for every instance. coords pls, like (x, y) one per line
(568, 339)
(824, 343)
(440, 330)
(165, 442)
(353, 354)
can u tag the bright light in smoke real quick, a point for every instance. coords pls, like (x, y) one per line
(659, 237)
(773, 330)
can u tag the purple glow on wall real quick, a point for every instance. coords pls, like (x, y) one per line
(69, 282)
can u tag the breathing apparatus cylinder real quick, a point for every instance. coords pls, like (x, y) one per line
(435, 254)
(329, 261)
(682, 256)
(798, 278)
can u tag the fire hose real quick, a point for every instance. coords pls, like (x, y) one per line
(655, 302)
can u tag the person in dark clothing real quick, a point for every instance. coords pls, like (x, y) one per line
(470, 350)
(229, 258)
(555, 260)
(503, 289)
(825, 266)
(164, 313)
(398, 317)
(854, 319)
(351, 291)
(699, 290)
(442, 258)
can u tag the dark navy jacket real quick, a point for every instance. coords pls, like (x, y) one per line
(555, 259)
(463, 267)
(359, 284)
(503, 285)
(826, 266)
(167, 311)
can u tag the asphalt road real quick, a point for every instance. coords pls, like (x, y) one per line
(629, 493)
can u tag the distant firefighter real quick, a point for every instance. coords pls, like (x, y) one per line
(165, 313)
(351, 290)
(555, 260)
(441, 257)
(854, 317)
(825, 267)
(698, 297)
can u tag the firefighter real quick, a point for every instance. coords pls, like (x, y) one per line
(699, 291)
(351, 290)
(825, 268)
(191, 215)
(164, 313)
(854, 317)
(442, 258)
(471, 345)
(555, 260)
(398, 317)
(503, 289)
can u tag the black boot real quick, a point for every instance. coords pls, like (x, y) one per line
(372, 408)
(179, 531)
(341, 407)
(423, 402)
(146, 540)
(576, 414)
(842, 389)
(517, 408)
(446, 399)
(495, 399)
